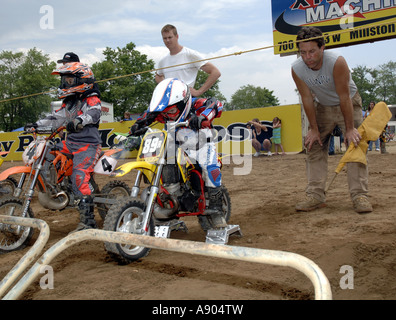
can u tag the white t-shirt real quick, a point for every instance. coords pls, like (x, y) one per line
(188, 72)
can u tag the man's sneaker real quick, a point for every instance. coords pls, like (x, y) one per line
(362, 205)
(256, 154)
(269, 154)
(310, 204)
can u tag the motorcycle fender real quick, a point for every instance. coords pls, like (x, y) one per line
(110, 152)
(143, 166)
(18, 170)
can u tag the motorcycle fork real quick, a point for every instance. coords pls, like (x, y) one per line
(18, 189)
(136, 187)
(30, 191)
(152, 198)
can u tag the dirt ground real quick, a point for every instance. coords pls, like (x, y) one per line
(263, 205)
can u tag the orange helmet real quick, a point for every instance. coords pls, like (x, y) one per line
(76, 77)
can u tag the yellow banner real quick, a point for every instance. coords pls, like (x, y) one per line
(343, 22)
(232, 135)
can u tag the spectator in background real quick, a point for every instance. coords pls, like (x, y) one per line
(336, 133)
(377, 142)
(261, 140)
(127, 116)
(276, 135)
(382, 139)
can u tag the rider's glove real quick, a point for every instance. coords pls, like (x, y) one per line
(29, 127)
(133, 143)
(133, 129)
(196, 121)
(75, 125)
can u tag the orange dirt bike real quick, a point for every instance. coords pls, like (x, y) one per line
(175, 189)
(8, 185)
(48, 170)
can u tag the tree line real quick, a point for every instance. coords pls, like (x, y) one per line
(376, 84)
(27, 74)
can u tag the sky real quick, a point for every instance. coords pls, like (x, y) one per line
(212, 27)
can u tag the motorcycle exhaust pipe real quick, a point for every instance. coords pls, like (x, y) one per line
(53, 203)
(159, 212)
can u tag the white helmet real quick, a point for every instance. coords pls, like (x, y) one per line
(172, 99)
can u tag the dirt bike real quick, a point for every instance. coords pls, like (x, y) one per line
(48, 170)
(172, 193)
(8, 185)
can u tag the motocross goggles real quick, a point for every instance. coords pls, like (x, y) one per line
(68, 81)
(172, 112)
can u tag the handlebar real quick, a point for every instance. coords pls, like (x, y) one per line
(45, 130)
(182, 124)
(57, 131)
(172, 125)
(139, 132)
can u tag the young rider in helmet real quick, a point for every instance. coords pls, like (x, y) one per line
(80, 112)
(172, 101)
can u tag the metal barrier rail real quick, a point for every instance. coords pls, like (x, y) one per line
(33, 252)
(279, 258)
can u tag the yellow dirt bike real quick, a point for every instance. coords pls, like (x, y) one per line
(175, 189)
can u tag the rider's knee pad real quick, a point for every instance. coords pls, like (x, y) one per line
(214, 176)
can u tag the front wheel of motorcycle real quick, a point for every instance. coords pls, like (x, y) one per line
(114, 190)
(8, 186)
(13, 237)
(127, 216)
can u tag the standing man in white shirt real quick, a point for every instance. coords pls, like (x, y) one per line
(181, 55)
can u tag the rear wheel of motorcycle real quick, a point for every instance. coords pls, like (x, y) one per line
(126, 216)
(8, 186)
(13, 237)
(113, 190)
(206, 221)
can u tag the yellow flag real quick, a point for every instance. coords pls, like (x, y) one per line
(370, 130)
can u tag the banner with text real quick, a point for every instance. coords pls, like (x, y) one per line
(343, 22)
(233, 136)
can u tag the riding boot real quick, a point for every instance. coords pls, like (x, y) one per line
(216, 207)
(87, 217)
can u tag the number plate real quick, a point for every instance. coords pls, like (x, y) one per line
(106, 165)
(162, 231)
(152, 145)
